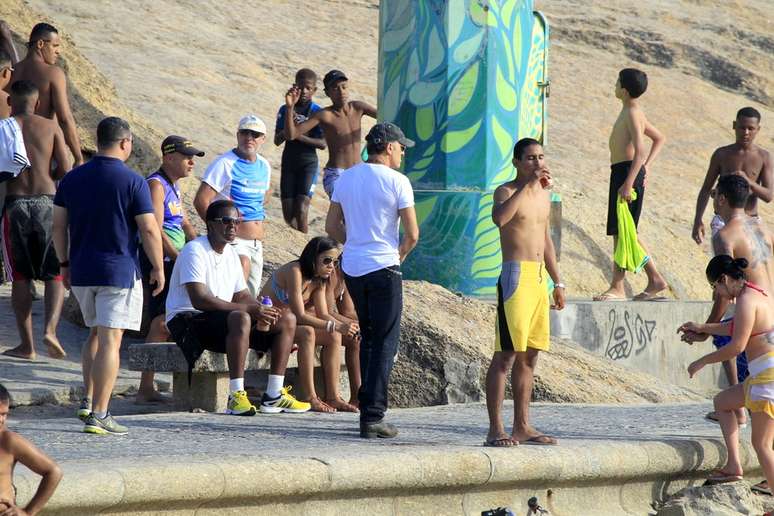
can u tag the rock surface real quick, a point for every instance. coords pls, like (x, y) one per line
(720, 500)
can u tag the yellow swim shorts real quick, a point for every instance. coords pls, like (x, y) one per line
(522, 308)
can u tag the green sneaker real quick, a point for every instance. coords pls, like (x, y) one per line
(84, 409)
(239, 404)
(105, 426)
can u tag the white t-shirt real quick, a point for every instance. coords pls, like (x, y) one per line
(199, 263)
(370, 196)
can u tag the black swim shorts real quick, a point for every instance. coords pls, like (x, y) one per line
(297, 174)
(618, 173)
(27, 227)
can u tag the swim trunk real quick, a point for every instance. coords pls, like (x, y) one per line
(157, 305)
(253, 250)
(522, 308)
(209, 329)
(298, 176)
(618, 173)
(330, 176)
(759, 386)
(28, 245)
(741, 359)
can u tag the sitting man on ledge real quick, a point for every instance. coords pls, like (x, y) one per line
(209, 308)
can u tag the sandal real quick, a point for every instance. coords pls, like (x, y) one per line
(340, 405)
(503, 441)
(761, 487)
(719, 476)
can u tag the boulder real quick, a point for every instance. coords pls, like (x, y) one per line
(719, 500)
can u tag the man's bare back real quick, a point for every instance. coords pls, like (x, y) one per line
(44, 142)
(522, 237)
(43, 76)
(749, 238)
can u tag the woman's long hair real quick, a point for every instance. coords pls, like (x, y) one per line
(314, 248)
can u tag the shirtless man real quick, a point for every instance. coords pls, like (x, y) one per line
(629, 173)
(39, 66)
(521, 211)
(15, 448)
(6, 70)
(340, 123)
(27, 222)
(741, 157)
(741, 236)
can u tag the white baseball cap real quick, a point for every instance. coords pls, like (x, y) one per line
(252, 123)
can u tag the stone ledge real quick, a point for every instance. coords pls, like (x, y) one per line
(611, 477)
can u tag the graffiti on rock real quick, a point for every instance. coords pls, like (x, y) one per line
(629, 333)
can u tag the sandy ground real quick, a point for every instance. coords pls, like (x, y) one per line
(194, 68)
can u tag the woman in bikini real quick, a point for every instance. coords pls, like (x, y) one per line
(338, 297)
(751, 331)
(300, 286)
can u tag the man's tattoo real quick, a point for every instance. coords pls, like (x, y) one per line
(760, 252)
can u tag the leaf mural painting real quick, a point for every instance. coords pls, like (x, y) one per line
(462, 84)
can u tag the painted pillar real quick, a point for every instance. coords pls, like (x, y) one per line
(463, 78)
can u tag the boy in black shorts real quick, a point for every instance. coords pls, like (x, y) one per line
(299, 158)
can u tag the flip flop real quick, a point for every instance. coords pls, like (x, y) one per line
(607, 296)
(721, 477)
(540, 440)
(500, 442)
(647, 296)
(759, 488)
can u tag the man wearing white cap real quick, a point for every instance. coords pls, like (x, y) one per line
(243, 176)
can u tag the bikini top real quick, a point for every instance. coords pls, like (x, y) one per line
(758, 289)
(281, 293)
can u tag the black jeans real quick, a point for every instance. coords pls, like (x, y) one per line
(378, 299)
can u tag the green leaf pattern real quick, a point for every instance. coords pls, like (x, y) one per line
(460, 78)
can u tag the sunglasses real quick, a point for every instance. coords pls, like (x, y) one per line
(328, 260)
(228, 221)
(252, 134)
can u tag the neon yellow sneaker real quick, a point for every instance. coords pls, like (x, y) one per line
(285, 402)
(239, 405)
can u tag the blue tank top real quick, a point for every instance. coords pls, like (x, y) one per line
(173, 209)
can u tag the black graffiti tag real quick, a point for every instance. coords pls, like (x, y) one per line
(625, 334)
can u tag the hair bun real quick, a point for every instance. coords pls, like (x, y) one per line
(741, 263)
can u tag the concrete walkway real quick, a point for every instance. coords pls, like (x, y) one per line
(611, 458)
(47, 380)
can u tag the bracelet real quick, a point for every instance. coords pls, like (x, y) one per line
(330, 326)
(560, 285)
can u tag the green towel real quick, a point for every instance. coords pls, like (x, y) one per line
(629, 254)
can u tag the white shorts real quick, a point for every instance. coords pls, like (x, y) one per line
(111, 307)
(253, 250)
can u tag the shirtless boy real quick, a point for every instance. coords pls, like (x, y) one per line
(521, 211)
(628, 173)
(742, 157)
(340, 123)
(6, 69)
(27, 222)
(15, 448)
(745, 237)
(39, 66)
(299, 157)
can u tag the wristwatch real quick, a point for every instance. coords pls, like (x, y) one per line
(560, 285)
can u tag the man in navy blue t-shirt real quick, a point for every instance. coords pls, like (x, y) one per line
(100, 209)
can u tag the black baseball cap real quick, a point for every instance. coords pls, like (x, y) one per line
(387, 132)
(333, 77)
(179, 144)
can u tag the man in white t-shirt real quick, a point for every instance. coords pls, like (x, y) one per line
(375, 199)
(209, 307)
(243, 176)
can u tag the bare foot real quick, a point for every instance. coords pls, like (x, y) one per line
(341, 405)
(19, 352)
(354, 402)
(319, 405)
(53, 348)
(144, 398)
(610, 295)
